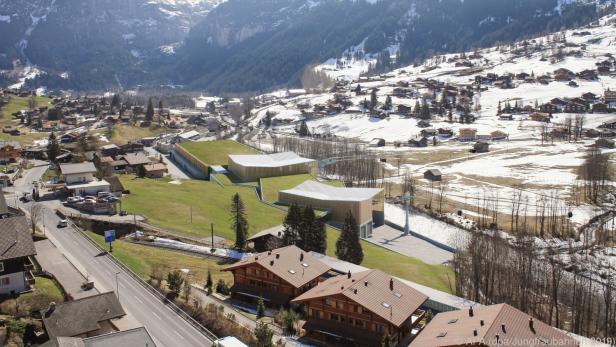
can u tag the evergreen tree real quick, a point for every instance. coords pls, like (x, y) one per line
(115, 101)
(374, 99)
(260, 308)
(388, 103)
(305, 228)
(417, 110)
(263, 335)
(303, 129)
(292, 224)
(208, 282)
(53, 147)
(149, 113)
(450, 116)
(175, 281)
(160, 111)
(318, 237)
(238, 221)
(348, 247)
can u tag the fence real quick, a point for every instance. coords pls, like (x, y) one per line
(190, 320)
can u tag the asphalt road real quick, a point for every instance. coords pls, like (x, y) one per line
(165, 326)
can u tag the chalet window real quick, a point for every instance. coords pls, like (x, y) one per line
(338, 304)
(359, 323)
(5, 281)
(1, 266)
(379, 328)
(329, 302)
(333, 316)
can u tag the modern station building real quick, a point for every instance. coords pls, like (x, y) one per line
(251, 167)
(366, 204)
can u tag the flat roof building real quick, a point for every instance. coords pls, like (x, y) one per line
(252, 167)
(363, 203)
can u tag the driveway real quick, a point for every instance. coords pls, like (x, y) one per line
(53, 261)
(174, 171)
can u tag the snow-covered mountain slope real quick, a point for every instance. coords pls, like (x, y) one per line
(107, 38)
(581, 50)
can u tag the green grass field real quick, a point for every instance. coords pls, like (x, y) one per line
(142, 259)
(216, 152)
(272, 185)
(17, 103)
(168, 206)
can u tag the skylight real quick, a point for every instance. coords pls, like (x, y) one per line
(451, 321)
(305, 265)
(386, 305)
(443, 334)
(292, 272)
(398, 295)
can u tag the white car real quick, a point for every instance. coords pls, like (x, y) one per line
(63, 223)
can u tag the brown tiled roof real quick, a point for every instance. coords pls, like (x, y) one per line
(15, 238)
(290, 263)
(80, 316)
(136, 159)
(85, 167)
(372, 289)
(155, 167)
(458, 328)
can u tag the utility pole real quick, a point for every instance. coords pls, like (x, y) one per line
(213, 248)
(407, 199)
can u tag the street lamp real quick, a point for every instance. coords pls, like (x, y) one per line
(407, 199)
(117, 287)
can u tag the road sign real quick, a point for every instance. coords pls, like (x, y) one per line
(110, 236)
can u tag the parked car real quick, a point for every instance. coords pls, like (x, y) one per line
(63, 223)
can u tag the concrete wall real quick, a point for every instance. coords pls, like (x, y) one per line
(190, 163)
(251, 173)
(78, 178)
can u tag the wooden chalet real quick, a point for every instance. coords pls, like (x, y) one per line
(276, 276)
(362, 307)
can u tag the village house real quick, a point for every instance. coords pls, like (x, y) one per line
(498, 135)
(268, 239)
(481, 147)
(418, 141)
(362, 307)
(377, 142)
(79, 179)
(574, 107)
(610, 98)
(9, 152)
(16, 248)
(486, 326)
(277, 276)
(540, 117)
(467, 134)
(155, 170)
(600, 107)
(604, 143)
(135, 160)
(433, 175)
(86, 317)
(125, 338)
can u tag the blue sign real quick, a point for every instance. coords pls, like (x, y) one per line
(110, 236)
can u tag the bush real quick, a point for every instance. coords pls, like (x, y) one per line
(222, 287)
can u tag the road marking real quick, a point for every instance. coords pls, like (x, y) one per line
(136, 298)
(180, 335)
(155, 315)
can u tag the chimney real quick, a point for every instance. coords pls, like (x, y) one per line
(470, 312)
(355, 290)
(531, 324)
(365, 283)
(271, 262)
(349, 274)
(475, 332)
(278, 256)
(301, 257)
(503, 328)
(497, 338)
(257, 258)
(391, 284)
(481, 322)
(50, 309)
(269, 252)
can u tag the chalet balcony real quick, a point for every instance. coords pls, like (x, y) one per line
(343, 333)
(30, 280)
